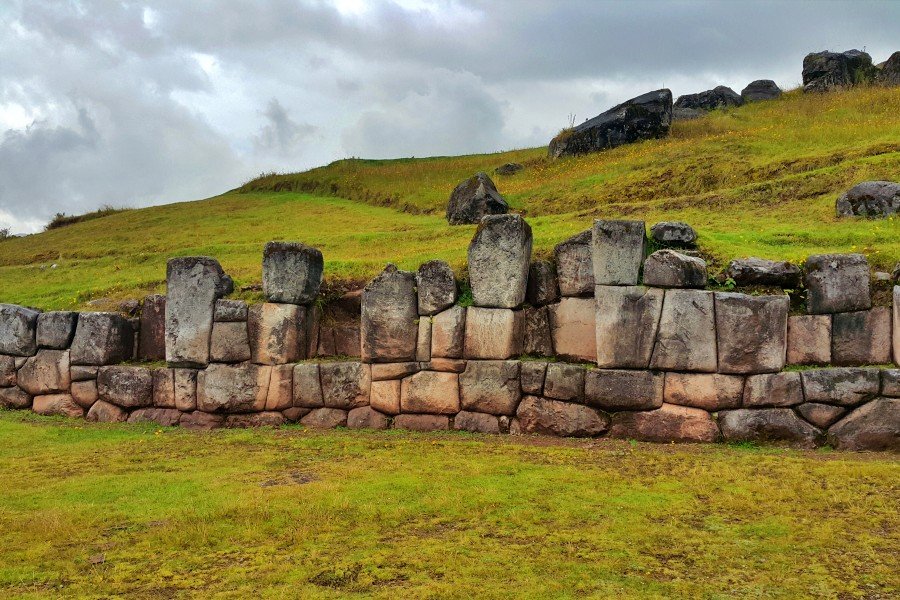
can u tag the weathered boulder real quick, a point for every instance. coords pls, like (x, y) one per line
(710, 391)
(533, 373)
(493, 333)
(233, 388)
(128, 387)
(573, 328)
(193, 285)
(759, 271)
(345, 385)
(56, 329)
(773, 389)
(542, 284)
(718, 97)
(45, 372)
(508, 169)
(564, 381)
(751, 332)
(874, 199)
(230, 311)
(152, 339)
(385, 396)
(201, 421)
(873, 426)
(537, 336)
(185, 389)
(84, 393)
(57, 404)
(673, 233)
(553, 417)
(18, 330)
(574, 268)
(668, 268)
(809, 340)
(823, 71)
(821, 415)
(845, 386)
(364, 417)
(277, 333)
(861, 337)
(448, 333)
(768, 424)
(837, 283)
(325, 418)
(422, 422)
(761, 89)
(476, 422)
(430, 392)
(668, 423)
(645, 117)
(229, 343)
(617, 251)
(104, 412)
(436, 287)
(14, 397)
(281, 383)
(389, 317)
(423, 340)
(473, 199)
(291, 272)
(82, 372)
(163, 388)
(261, 419)
(7, 370)
(490, 386)
(686, 338)
(307, 386)
(499, 258)
(890, 70)
(615, 390)
(627, 323)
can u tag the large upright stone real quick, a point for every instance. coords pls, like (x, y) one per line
(101, 338)
(542, 285)
(837, 283)
(436, 287)
(291, 272)
(873, 426)
(193, 284)
(751, 332)
(862, 337)
(668, 268)
(617, 251)
(686, 340)
(574, 269)
(490, 386)
(627, 323)
(573, 327)
(18, 330)
(233, 388)
(277, 333)
(474, 198)
(495, 333)
(823, 71)
(128, 387)
(499, 259)
(896, 325)
(537, 336)
(761, 89)
(390, 317)
(307, 386)
(55, 329)
(45, 373)
(152, 344)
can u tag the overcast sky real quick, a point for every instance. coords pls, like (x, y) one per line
(137, 103)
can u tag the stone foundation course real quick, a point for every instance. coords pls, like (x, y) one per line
(605, 339)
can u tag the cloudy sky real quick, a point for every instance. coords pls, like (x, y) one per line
(135, 103)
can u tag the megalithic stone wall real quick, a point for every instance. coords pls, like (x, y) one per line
(601, 340)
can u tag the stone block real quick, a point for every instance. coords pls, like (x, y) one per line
(614, 390)
(383, 371)
(542, 285)
(102, 338)
(821, 415)
(493, 333)
(668, 423)
(233, 388)
(861, 337)
(751, 332)
(422, 422)
(573, 328)
(554, 417)
(295, 413)
(82, 372)
(574, 268)
(837, 283)
(758, 271)
(499, 259)
(768, 424)
(673, 233)
(276, 333)
(261, 419)
(128, 387)
(627, 324)
(308, 386)
(436, 287)
(7, 371)
(193, 284)
(229, 343)
(617, 251)
(18, 330)
(671, 269)
(389, 317)
(45, 373)
(710, 391)
(564, 382)
(447, 365)
(476, 422)
(84, 393)
(890, 383)
(490, 386)
(385, 396)
(163, 388)
(365, 417)
(686, 338)
(291, 272)
(872, 426)
(15, 398)
(201, 421)
(809, 340)
(430, 392)
(423, 345)
(532, 374)
(104, 412)
(537, 336)
(185, 389)
(152, 339)
(773, 390)
(846, 386)
(448, 333)
(230, 311)
(345, 385)
(281, 383)
(57, 405)
(56, 329)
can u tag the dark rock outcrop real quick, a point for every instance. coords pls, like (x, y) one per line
(474, 198)
(718, 97)
(761, 89)
(876, 199)
(890, 70)
(823, 71)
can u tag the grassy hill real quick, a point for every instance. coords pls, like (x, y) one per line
(757, 180)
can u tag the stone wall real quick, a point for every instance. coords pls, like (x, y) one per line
(669, 359)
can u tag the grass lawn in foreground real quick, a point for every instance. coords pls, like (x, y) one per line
(107, 510)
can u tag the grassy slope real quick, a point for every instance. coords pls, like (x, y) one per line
(759, 180)
(101, 511)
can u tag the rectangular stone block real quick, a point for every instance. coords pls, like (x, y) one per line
(227, 311)
(890, 383)
(449, 365)
(281, 383)
(423, 345)
(623, 390)
(128, 387)
(573, 327)
(686, 340)
(276, 333)
(896, 324)
(229, 343)
(627, 324)
(386, 396)
(307, 386)
(844, 386)
(18, 330)
(448, 333)
(163, 388)
(564, 382)
(537, 337)
(751, 332)
(345, 385)
(7, 370)
(861, 337)
(83, 372)
(103, 338)
(185, 389)
(532, 377)
(710, 391)
(809, 340)
(490, 386)
(476, 422)
(837, 283)
(152, 338)
(389, 317)
(499, 257)
(55, 329)
(430, 392)
(193, 284)
(84, 393)
(773, 390)
(574, 268)
(44, 373)
(232, 388)
(384, 371)
(617, 251)
(493, 333)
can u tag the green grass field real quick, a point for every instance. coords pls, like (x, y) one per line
(95, 511)
(757, 180)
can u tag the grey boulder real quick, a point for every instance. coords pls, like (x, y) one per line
(499, 260)
(823, 71)
(673, 233)
(875, 199)
(837, 283)
(18, 329)
(873, 426)
(574, 267)
(474, 198)
(389, 317)
(291, 272)
(759, 271)
(193, 283)
(617, 251)
(768, 424)
(668, 268)
(128, 387)
(436, 287)
(101, 338)
(761, 89)
(55, 329)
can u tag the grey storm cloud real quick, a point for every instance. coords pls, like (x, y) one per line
(137, 103)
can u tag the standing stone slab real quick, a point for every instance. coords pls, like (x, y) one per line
(499, 258)
(553, 417)
(532, 377)
(617, 251)
(18, 330)
(229, 343)
(861, 337)
(564, 382)
(686, 340)
(773, 389)
(668, 423)
(751, 332)
(671, 269)
(386, 396)
(56, 329)
(307, 386)
(389, 317)
(128, 387)
(277, 333)
(430, 392)
(448, 333)
(233, 388)
(493, 333)
(573, 328)
(809, 340)
(574, 268)
(345, 385)
(846, 386)
(710, 391)
(542, 285)
(627, 323)
(436, 287)
(291, 272)
(193, 285)
(45, 373)
(768, 424)
(837, 283)
(614, 390)
(537, 335)
(152, 341)
(490, 386)
(873, 426)
(423, 343)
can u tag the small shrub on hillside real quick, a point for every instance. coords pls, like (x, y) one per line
(62, 219)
